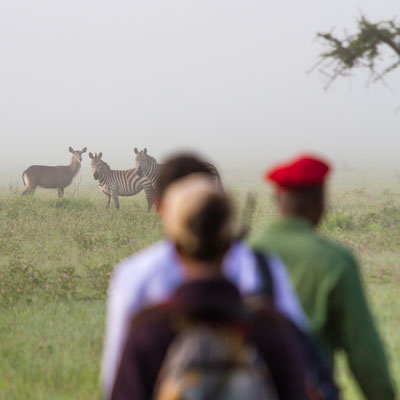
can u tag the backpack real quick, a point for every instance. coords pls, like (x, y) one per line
(205, 362)
(320, 381)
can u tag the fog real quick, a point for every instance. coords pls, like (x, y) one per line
(226, 78)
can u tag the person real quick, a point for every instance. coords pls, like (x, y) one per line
(324, 274)
(197, 218)
(152, 274)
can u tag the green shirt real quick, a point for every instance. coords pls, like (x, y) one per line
(327, 281)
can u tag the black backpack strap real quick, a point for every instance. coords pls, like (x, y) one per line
(264, 269)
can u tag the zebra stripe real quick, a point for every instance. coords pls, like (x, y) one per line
(152, 170)
(114, 183)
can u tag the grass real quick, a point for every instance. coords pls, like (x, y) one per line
(55, 350)
(56, 257)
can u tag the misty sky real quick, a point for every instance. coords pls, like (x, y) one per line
(224, 77)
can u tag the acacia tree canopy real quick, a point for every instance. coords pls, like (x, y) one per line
(364, 49)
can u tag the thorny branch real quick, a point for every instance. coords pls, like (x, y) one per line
(361, 50)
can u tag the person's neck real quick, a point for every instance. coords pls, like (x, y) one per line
(195, 269)
(286, 215)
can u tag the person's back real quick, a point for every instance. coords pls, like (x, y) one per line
(325, 276)
(154, 331)
(309, 260)
(327, 282)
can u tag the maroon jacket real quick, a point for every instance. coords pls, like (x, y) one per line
(152, 331)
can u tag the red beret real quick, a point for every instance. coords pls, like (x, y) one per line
(304, 171)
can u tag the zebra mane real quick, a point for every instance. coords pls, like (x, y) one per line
(152, 158)
(105, 164)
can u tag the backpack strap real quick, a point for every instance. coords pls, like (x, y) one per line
(264, 269)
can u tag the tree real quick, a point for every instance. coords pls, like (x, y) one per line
(364, 49)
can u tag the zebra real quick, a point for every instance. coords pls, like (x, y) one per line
(115, 183)
(148, 167)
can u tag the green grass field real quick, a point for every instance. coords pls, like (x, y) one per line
(56, 257)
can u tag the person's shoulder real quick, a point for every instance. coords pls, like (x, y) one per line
(151, 314)
(332, 253)
(145, 262)
(334, 248)
(239, 247)
(152, 325)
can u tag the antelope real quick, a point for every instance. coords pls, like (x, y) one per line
(57, 177)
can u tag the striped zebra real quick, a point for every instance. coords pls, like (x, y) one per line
(148, 167)
(115, 183)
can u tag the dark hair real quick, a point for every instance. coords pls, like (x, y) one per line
(304, 202)
(177, 167)
(211, 227)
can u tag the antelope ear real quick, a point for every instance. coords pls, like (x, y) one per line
(91, 156)
(71, 150)
(84, 150)
(136, 150)
(145, 151)
(100, 155)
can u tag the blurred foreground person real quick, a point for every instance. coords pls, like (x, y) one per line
(204, 343)
(325, 275)
(151, 275)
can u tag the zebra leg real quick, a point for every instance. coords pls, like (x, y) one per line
(114, 195)
(149, 192)
(108, 199)
(60, 192)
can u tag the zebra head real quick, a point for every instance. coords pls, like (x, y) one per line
(99, 167)
(143, 161)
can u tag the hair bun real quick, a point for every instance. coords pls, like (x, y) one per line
(197, 216)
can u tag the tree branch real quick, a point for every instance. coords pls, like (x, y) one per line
(362, 49)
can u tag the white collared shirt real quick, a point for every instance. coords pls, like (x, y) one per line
(152, 274)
